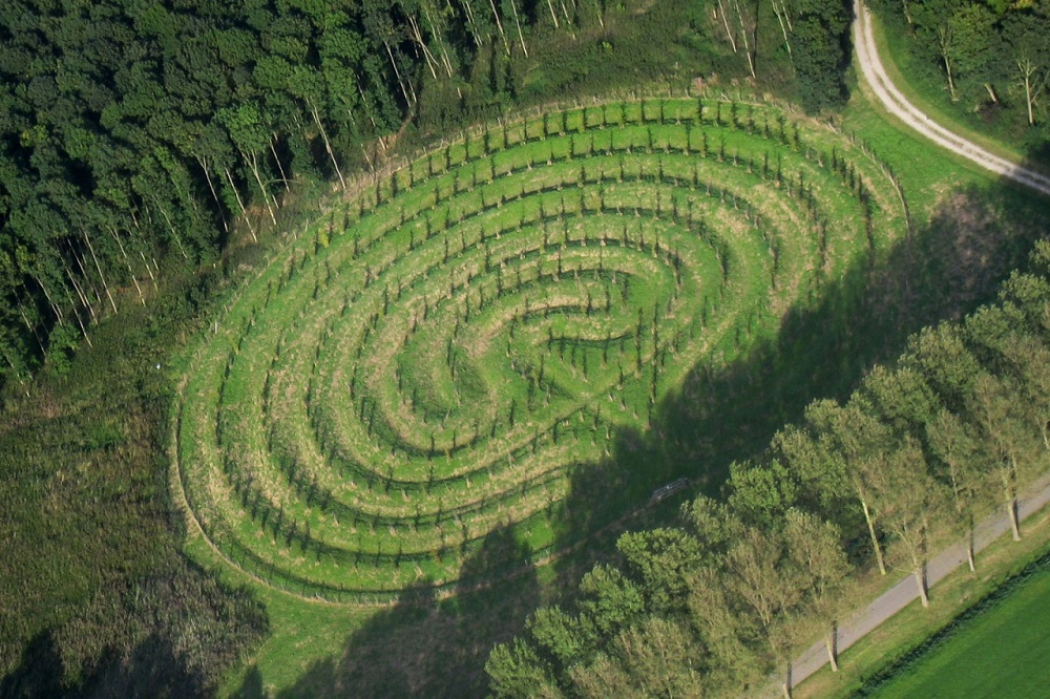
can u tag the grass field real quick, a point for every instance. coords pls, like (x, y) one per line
(406, 400)
(1002, 652)
(424, 416)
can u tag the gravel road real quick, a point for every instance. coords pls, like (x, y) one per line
(897, 104)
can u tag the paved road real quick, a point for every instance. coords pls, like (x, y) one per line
(904, 592)
(897, 104)
(863, 621)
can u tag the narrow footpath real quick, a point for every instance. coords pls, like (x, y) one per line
(1036, 496)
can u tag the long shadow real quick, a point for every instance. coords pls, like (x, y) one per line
(426, 647)
(438, 647)
(825, 344)
(39, 672)
(152, 669)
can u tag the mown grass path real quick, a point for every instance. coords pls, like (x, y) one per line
(405, 399)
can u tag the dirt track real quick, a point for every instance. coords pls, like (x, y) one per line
(897, 104)
(863, 621)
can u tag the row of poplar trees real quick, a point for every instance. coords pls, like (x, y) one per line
(710, 606)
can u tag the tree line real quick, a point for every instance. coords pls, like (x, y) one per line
(134, 135)
(991, 55)
(953, 430)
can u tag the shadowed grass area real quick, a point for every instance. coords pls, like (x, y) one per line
(963, 242)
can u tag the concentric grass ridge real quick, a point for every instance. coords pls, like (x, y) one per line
(439, 356)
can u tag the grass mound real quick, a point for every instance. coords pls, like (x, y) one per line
(403, 398)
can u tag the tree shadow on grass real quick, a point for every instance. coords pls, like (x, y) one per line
(39, 674)
(825, 344)
(152, 669)
(438, 647)
(425, 646)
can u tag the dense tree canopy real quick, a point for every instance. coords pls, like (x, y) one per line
(990, 55)
(709, 607)
(133, 130)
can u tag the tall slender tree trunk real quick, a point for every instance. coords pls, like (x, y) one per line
(244, 211)
(521, 37)
(83, 285)
(780, 13)
(98, 268)
(499, 25)
(1011, 510)
(80, 292)
(327, 144)
(920, 582)
(171, 227)
(127, 262)
(253, 165)
(32, 329)
(725, 23)
(743, 35)
(946, 39)
(472, 23)
(280, 167)
(397, 72)
(831, 645)
(554, 16)
(568, 21)
(76, 314)
(1028, 70)
(214, 195)
(145, 242)
(874, 537)
(417, 36)
(55, 308)
(148, 270)
(969, 548)
(1009, 483)
(438, 37)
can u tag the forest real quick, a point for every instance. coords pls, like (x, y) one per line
(136, 135)
(147, 147)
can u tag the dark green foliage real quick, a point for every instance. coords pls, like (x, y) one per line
(820, 52)
(950, 433)
(92, 568)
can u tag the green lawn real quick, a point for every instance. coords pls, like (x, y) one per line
(1004, 652)
(499, 189)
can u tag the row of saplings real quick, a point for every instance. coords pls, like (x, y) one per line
(735, 589)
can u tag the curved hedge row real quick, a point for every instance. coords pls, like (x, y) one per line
(437, 358)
